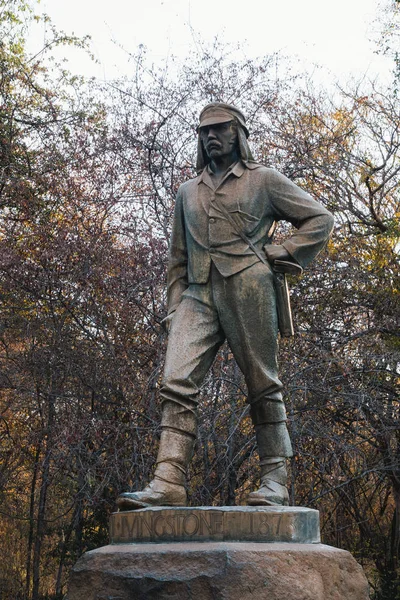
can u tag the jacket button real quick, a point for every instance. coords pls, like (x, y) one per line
(212, 220)
(212, 249)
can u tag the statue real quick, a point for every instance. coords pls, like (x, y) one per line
(222, 285)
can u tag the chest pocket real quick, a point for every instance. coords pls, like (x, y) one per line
(248, 223)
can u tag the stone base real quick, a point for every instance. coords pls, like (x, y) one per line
(216, 524)
(217, 570)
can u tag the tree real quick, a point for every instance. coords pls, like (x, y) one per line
(75, 303)
(389, 31)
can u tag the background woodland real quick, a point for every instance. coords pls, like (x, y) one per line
(88, 176)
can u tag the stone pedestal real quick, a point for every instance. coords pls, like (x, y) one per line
(216, 524)
(211, 553)
(217, 570)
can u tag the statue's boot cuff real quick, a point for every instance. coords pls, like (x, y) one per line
(273, 440)
(157, 493)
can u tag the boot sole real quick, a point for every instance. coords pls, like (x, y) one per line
(132, 503)
(135, 505)
(264, 502)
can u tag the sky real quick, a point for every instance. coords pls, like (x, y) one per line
(337, 35)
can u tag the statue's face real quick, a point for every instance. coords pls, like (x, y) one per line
(219, 139)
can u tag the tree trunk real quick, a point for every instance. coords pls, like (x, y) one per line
(40, 528)
(31, 521)
(41, 514)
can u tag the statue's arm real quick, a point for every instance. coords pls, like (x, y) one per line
(314, 223)
(177, 280)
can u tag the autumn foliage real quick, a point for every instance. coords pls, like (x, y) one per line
(88, 176)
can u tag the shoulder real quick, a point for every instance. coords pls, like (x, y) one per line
(270, 175)
(254, 166)
(259, 171)
(259, 168)
(186, 187)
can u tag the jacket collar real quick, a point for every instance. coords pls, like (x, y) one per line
(237, 169)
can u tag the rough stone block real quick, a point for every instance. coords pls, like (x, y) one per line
(217, 571)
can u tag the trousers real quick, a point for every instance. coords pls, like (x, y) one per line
(241, 309)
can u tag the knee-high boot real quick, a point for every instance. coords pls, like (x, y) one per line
(175, 452)
(273, 442)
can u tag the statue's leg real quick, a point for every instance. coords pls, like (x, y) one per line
(175, 451)
(247, 308)
(273, 443)
(194, 338)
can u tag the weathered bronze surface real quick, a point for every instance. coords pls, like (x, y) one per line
(216, 524)
(222, 286)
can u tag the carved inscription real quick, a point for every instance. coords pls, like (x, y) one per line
(269, 526)
(208, 525)
(158, 526)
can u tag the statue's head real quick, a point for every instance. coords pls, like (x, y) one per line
(218, 113)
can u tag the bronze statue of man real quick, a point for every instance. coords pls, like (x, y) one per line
(219, 288)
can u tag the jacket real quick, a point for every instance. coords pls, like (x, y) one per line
(257, 197)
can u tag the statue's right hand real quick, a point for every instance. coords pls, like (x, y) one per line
(166, 322)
